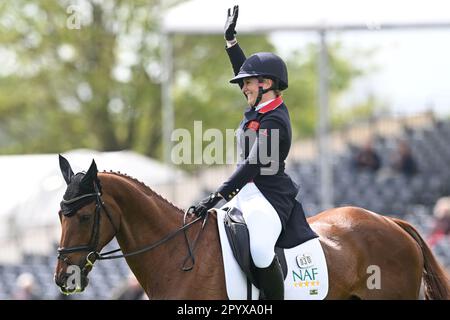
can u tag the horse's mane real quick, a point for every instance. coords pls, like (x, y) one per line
(142, 186)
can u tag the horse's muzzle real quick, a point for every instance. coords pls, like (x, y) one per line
(69, 284)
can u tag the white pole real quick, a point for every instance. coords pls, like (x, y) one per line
(167, 112)
(326, 170)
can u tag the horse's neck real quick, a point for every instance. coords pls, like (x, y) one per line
(145, 219)
(145, 215)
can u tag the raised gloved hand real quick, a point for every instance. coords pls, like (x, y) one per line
(203, 206)
(230, 24)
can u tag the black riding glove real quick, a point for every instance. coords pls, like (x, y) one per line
(203, 206)
(230, 24)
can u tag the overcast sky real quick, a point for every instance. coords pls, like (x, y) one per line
(413, 67)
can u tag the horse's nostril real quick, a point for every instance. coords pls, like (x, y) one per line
(60, 280)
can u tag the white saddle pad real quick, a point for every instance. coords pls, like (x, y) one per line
(307, 277)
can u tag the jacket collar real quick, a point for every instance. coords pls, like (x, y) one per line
(271, 105)
(251, 114)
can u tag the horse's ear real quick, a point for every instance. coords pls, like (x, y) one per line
(91, 175)
(66, 170)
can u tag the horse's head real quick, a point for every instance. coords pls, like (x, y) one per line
(84, 231)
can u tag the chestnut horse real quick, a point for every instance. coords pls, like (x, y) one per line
(100, 206)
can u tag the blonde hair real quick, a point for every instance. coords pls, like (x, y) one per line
(277, 92)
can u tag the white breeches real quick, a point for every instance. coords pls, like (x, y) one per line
(263, 223)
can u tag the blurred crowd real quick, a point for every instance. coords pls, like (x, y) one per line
(401, 161)
(441, 228)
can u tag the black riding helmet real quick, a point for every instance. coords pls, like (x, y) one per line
(265, 65)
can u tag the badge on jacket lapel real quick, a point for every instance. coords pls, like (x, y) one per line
(254, 125)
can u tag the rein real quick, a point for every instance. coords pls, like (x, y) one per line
(103, 256)
(93, 242)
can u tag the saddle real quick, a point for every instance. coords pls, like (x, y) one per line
(239, 239)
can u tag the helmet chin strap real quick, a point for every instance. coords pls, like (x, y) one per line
(261, 91)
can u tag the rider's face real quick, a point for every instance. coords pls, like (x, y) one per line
(250, 89)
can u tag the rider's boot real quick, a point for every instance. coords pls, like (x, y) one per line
(271, 280)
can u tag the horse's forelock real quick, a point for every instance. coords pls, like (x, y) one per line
(74, 188)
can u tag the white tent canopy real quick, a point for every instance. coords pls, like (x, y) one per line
(32, 185)
(207, 17)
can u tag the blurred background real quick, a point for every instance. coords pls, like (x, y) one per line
(369, 100)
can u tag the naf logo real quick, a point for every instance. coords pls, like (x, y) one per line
(305, 275)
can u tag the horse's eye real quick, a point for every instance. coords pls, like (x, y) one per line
(85, 217)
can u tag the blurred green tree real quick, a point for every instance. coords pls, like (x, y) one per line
(82, 75)
(89, 76)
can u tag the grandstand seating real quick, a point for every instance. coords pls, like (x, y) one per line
(103, 279)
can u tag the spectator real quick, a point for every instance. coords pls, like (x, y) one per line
(129, 290)
(403, 161)
(441, 214)
(25, 288)
(367, 158)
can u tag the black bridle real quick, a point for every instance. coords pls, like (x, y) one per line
(92, 246)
